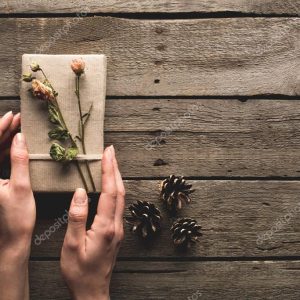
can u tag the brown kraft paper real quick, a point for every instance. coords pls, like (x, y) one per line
(48, 175)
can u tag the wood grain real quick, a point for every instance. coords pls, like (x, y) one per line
(196, 115)
(243, 221)
(183, 280)
(243, 56)
(234, 216)
(209, 138)
(144, 6)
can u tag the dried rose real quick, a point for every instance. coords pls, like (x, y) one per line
(78, 66)
(34, 67)
(27, 77)
(42, 91)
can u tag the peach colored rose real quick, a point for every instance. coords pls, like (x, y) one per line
(78, 66)
(42, 91)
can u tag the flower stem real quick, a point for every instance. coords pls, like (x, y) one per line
(58, 108)
(82, 131)
(73, 143)
(81, 175)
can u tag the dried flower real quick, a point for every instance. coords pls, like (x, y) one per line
(42, 91)
(45, 91)
(34, 67)
(78, 66)
(54, 116)
(71, 153)
(27, 77)
(58, 133)
(57, 152)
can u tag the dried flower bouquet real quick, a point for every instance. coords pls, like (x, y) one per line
(64, 148)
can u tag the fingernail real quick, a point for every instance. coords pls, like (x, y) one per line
(7, 115)
(110, 153)
(112, 149)
(80, 196)
(20, 140)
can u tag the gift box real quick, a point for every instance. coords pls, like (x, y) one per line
(48, 175)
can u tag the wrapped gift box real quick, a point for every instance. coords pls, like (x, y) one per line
(48, 175)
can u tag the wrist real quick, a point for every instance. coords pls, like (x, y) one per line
(17, 252)
(87, 297)
(103, 295)
(13, 274)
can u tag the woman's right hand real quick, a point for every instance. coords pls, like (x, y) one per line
(88, 257)
(17, 212)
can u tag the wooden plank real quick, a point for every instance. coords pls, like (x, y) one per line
(242, 56)
(183, 280)
(196, 115)
(202, 137)
(234, 215)
(161, 6)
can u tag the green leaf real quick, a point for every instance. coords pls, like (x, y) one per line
(58, 133)
(57, 152)
(71, 153)
(53, 114)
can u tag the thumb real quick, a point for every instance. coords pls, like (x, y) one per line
(76, 231)
(19, 162)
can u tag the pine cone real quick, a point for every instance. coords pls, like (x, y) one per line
(173, 191)
(185, 231)
(145, 219)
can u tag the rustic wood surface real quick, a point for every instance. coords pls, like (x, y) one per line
(160, 6)
(233, 56)
(202, 138)
(180, 280)
(205, 89)
(233, 215)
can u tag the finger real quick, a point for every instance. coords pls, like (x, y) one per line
(5, 122)
(13, 128)
(120, 193)
(107, 201)
(19, 162)
(78, 213)
(4, 182)
(15, 124)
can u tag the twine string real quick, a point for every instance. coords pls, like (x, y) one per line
(79, 157)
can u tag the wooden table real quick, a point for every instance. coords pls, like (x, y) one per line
(213, 85)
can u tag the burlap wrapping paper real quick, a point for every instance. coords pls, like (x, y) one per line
(48, 175)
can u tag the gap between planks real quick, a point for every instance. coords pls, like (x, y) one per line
(155, 16)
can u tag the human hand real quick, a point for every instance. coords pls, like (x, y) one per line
(11, 125)
(88, 257)
(17, 214)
